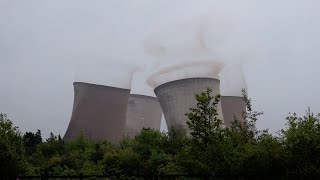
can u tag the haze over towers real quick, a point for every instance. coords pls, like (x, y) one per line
(188, 47)
(208, 32)
(195, 47)
(191, 52)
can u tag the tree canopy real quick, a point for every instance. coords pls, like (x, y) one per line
(211, 150)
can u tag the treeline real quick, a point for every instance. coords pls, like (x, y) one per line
(211, 150)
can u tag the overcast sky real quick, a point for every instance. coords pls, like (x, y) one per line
(46, 45)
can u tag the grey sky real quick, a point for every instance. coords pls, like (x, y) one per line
(46, 45)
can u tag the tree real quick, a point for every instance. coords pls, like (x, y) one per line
(31, 141)
(150, 146)
(265, 157)
(254, 152)
(48, 157)
(245, 132)
(203, 119)
(208, 142)
(12, 159)
(301, 139)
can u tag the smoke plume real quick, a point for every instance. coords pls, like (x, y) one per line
(185, 70)
(186, 51)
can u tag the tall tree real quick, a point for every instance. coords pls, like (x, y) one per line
(302, 142)
(207, 133)
(31, 141)
(203, 119)
(12, 159)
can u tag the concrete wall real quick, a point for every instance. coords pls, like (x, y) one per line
(99, 112)
(232, 107)
(143, 111)
(177, 97)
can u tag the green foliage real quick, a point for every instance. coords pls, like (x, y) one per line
(48, 156)
(301, 140)
(12, 159)
(265, 157)
(211, 150)
(203, 120)
(31, 141)
(207, 135)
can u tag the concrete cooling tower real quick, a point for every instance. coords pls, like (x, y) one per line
(177, 97)
(99, 112)
(143, 111)
(232, 107)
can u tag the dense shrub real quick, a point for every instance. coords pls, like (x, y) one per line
(211, 150)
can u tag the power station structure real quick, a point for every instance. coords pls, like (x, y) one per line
(142, 112)
(110, 113)
(233, 108)
(177, 97)
(99, 112)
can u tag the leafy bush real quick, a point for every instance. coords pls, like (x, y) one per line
(211, 151)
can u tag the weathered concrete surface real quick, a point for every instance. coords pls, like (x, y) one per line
(143, 111)
(99, 112)
(232, 107)
(177, 97)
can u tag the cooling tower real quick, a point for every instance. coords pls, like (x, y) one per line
(177, 97)
(232, 107)
(143, 111)
(99, 112)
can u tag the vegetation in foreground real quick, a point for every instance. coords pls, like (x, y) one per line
(240, 151)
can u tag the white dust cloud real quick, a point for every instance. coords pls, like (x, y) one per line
(186, 70)
(198, 46)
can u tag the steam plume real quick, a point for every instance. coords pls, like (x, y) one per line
(185, 70)
(188, 50)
